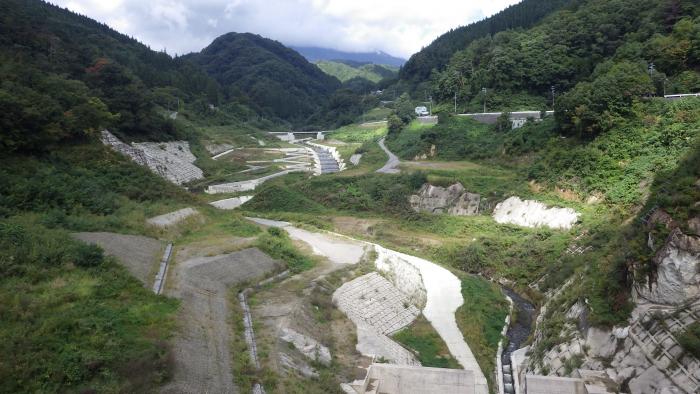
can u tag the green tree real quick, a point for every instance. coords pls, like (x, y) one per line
(394, 125)
(503, 122)
(593, 107)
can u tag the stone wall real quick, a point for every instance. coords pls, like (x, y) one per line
(645, 354)
(404, 275)
(378, 309)
(171, 160)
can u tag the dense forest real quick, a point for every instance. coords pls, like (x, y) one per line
(634, 48)
(436, 55)
(65, 76)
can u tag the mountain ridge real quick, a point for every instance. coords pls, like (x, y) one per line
(314, 54)
(275, 79)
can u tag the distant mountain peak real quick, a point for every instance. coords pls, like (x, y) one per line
(315, 54)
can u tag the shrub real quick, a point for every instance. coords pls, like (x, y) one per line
(278, 245)
(690, 339)
(88, 255)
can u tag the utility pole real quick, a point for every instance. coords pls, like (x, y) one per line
(431, 105)
(553, 90)
(651, 76)
(483, 92)
(455, 102)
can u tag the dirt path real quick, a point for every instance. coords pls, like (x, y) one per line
(392, 164)
(201, 346)
(338, 250)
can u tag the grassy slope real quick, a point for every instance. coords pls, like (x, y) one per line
(429, 347)
(626, 169)
(345, 72)
(93, 326)
(89, 322)
(481, 320)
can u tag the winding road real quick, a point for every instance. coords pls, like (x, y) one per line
(392, 164)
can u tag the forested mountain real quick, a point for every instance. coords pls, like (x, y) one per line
(597, 56)
(315, 54)
(63, 76)
(436, 55)
(276, 80)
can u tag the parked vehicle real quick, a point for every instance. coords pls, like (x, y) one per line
(422, 111)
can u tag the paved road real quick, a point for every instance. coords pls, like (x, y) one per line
(391, 166)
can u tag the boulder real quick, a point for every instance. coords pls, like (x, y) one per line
(453, 200)
(531, 213)
(308, 346)
(601, 343)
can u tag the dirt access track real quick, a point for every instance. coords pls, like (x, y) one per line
(201, 344)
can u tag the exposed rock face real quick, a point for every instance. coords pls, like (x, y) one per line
(645, 354)
(677, 276)
(308, 346)
(215, 149)
(531, 213)
(406, 277)
(453, 200)
(355, 159)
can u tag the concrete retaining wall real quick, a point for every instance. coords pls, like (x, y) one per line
(333, 151)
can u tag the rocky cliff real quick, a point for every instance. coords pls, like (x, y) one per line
(453, 200)
(645, 355)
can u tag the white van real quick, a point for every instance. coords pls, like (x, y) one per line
(422, 111)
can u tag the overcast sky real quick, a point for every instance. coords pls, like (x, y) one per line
(398, 27)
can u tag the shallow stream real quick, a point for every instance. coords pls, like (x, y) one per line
(518, 332)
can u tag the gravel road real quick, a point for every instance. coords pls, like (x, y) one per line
(202, 344)
(392, 165)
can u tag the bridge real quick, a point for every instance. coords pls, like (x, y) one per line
(295, 135)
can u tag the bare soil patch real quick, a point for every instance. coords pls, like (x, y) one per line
(441, 165)
(355, 226)
(304, 303)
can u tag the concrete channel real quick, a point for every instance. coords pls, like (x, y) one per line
(163, 270)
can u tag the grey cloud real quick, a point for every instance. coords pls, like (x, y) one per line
(398, 27)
